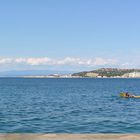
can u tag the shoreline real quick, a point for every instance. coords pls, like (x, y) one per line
(74, 77)
(17, 136)
(34, 77)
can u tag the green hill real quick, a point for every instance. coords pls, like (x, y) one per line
(105, 72)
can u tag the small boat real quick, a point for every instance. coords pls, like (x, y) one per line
(127, 95)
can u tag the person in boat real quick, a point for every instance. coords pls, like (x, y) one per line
(129, 95)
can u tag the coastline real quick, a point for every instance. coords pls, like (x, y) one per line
(79, 77)
(72, 77)
(69, 136)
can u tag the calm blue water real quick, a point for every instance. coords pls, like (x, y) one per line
(68, 106)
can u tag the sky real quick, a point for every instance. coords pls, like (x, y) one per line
(69, 34)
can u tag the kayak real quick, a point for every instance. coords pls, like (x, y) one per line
(124, 96)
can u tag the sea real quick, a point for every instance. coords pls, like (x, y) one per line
(72, 105)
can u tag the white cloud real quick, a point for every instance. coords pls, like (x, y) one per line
(33, 61)
(128, 65)
(5, 60)
(66, 61)
(101, 61)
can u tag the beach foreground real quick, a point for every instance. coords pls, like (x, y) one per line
(69, 136)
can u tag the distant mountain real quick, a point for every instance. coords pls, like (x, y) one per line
(15, 73)
(106, 72)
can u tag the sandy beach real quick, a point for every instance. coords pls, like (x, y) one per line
(69, 136)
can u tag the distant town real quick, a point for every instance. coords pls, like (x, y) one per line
(99, 73)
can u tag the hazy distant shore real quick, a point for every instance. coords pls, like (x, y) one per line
(99, 73)
(46, 77)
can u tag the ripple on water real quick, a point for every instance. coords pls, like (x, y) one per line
(68, 106)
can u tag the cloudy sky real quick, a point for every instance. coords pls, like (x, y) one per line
(69, 34)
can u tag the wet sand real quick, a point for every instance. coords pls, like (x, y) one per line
(69, 137)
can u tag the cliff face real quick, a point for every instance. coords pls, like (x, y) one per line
(132, 75)
(110, 72)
